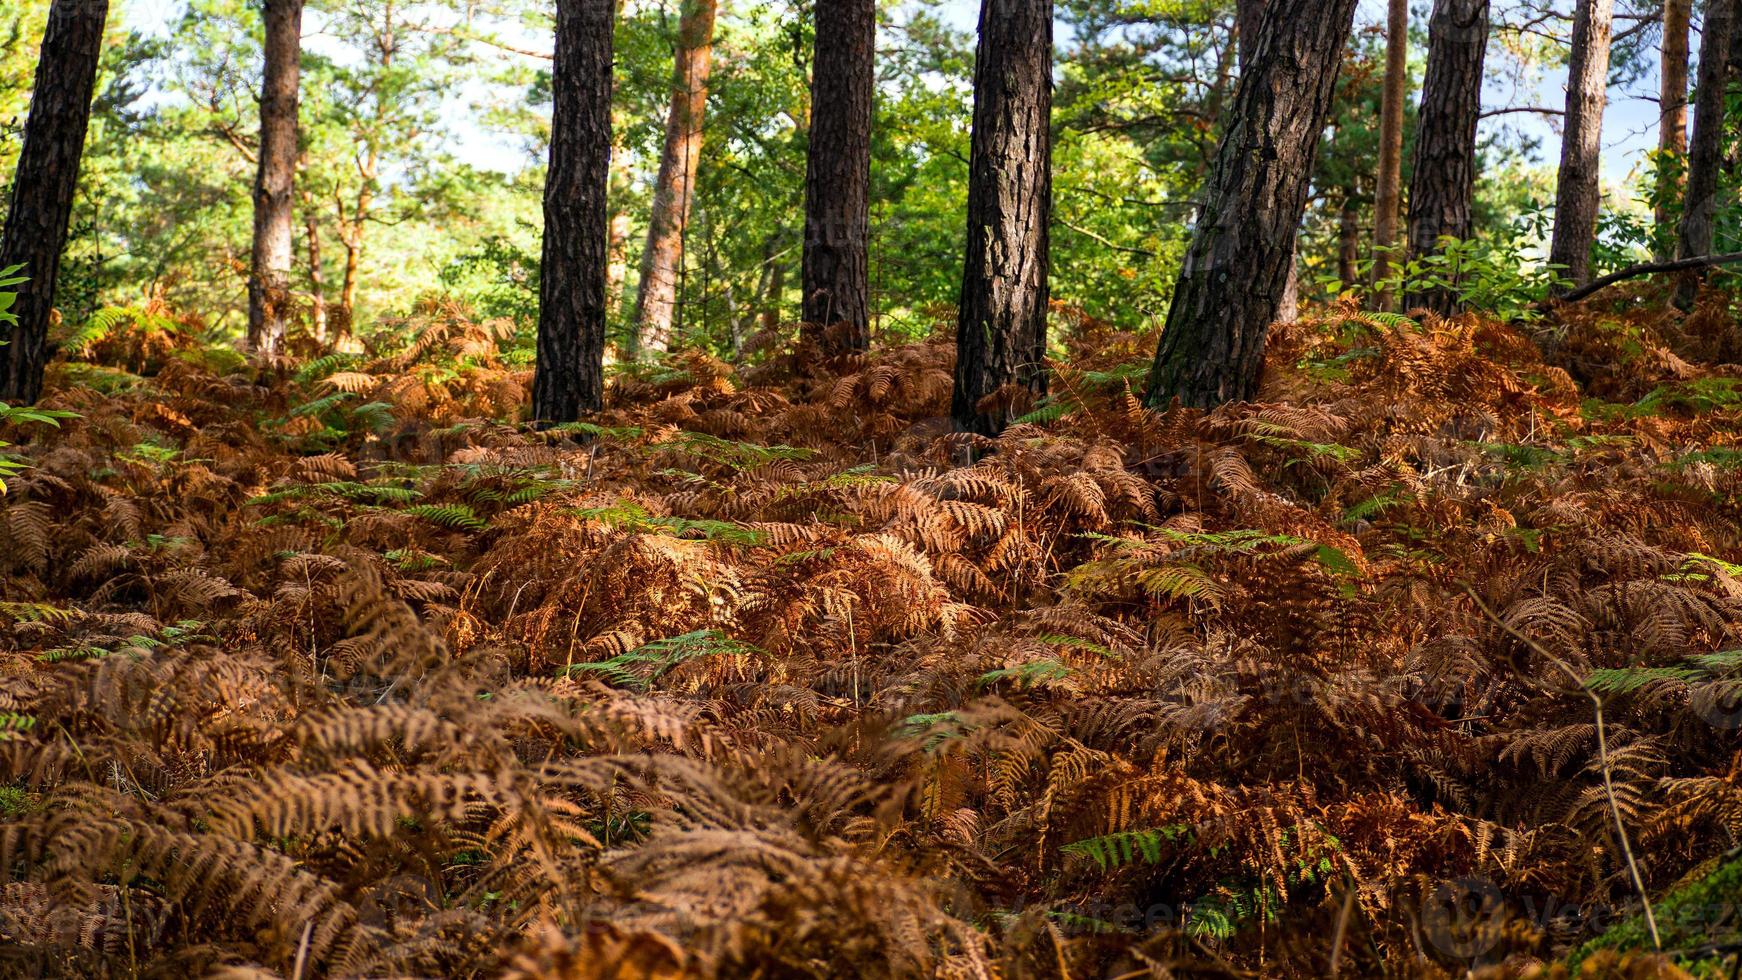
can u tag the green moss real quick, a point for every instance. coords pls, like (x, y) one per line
(1703, 911)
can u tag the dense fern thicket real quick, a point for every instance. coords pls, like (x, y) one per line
(323, 670)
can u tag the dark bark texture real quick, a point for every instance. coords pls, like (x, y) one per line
(269, 305)
(570, 377)
(1578, 191)
(1001, 326)
(1237, 266)
(1705, 154)
(838, 175)
(1443, 183)
(42, 190)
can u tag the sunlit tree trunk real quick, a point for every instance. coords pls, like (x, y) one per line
(1705, 153)
(1442, 186)
(674, 188)
(776, 284)
(1672, 126)
(1236, 268)
(1249, 21)
(1578, 190)
(1001, 324)
(43, 186)
(569, 379)
(1390, 179)
(317, 276)
(269, 306)
(838, 173)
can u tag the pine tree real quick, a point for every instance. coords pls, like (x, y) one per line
(1237, 266)
(569, 379)
(42, 190)
(1001, 326)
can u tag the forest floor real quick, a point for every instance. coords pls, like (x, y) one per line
(324, 670)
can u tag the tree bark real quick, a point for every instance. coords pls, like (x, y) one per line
(269, 305)
(43, 187)
(1443, 185)
(1348, 240)
(1699, 205)
(317, 277)
(570, 376)
(776, 284)
(1578, 190)
(1390, 179)
(1237, 265)
(1249, 21)
(1001, 325)
(838, 175)
(1672, 126)
(674, 189)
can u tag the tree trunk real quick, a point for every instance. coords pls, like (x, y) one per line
(269, 306)
(1348, 240)
(1001, 325)
(674, 189)
(1237, 266)
(838, 174)
(1672, 126)
(1578, 191)
(1390, 181)
(317, 277)
(43, 186)
(1443, 185)
(776, 284)
(1694, 236)
(1249, 21)
(570, 376)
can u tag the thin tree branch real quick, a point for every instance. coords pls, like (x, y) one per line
(1648, 269)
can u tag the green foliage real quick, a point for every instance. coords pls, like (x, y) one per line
(630, 516)
(1494, 275)
(456, 517)
(640, 667)
(1128, 846)
(24, 415)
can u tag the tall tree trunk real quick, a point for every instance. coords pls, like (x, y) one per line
(1578, 190)
(1348, 240)
(776, 284)
(570, 376)
(317, 277)
(42, 189)
(1672, 126)
(1694, 236)
(269, 306)
(674, 189)
(837, 180)
(1390, 182)
(1443, 183)
(1237, 266)
(1249, 21)
(1001, 325)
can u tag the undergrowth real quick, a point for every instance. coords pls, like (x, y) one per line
(332, 669)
